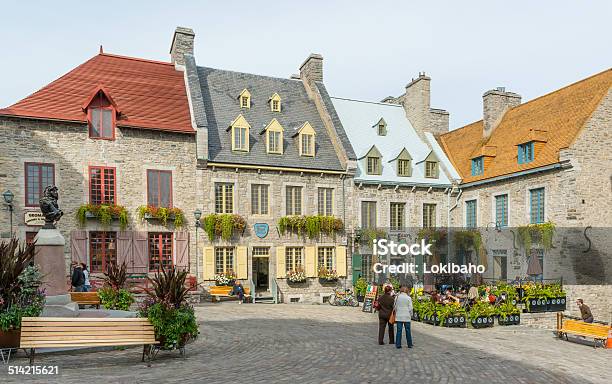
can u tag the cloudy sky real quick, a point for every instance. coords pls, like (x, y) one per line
(371, 49)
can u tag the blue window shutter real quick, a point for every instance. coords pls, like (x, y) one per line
(530, 145)
(473, 168)
(520, 154)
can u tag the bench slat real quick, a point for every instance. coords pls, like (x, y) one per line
(86, 337)
(79, 344)
(79, 319)
(71, 332)
(81, 324)
(80, 329)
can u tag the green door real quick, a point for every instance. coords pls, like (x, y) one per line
(356, 263)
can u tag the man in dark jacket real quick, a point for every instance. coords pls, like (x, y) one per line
(385, 303)
(585, 311)
(78, 277)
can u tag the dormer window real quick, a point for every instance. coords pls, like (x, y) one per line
(306, 137)
(274, 137)
(245, 99)
(477, 166)
(101, 114)
(404, 164)
(525, 153)
(275, 103)
(240, 134)
(373, 165)
(381, 127)
(431, 169)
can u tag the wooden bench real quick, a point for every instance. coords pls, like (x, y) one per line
(218, 292)
(60, 332)
(598, 332)
(86, 298)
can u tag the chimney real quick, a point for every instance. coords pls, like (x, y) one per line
(312, 68)
(495, 103)
(417, 103)
(182, 44)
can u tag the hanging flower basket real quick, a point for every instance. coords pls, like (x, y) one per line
(104, 213)
(148, 212)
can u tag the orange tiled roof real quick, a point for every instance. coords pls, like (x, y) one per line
(556, 118)
(149, 94)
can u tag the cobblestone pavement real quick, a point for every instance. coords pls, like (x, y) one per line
(323, 344)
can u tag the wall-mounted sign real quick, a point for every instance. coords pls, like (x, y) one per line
(261, 230)
(34, 218)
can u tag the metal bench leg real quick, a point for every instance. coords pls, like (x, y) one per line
(144, 352)
(31, 356)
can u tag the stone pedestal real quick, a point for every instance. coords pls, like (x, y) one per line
(50, 258)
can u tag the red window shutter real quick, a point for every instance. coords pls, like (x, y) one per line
(140, 252)
(124, 250)
(181, 250)
(78, 246)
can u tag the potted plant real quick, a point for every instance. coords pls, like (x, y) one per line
(536, 296)
(20, 293)
(223, 225)
(104, 213)
(508, 314)
(327, 275)
(167, 309)
(428, 312)
(557, 301)
(225, 279)
(452, 315)
(296, 276)
(481, 315)
(114, 294)
(361, 285)
(162, 214)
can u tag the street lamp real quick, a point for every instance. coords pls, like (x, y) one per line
(197, 215)
(8, 199)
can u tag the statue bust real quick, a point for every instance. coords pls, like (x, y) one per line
(49, 207)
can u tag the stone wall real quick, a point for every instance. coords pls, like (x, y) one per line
(68, 147)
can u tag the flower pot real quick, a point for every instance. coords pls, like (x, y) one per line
(483, 322)
(556, 304)
(455, 321)
(10, 339)
(536, 305)
(513, 319)
(324, 280)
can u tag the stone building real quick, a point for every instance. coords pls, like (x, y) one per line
(114, 134)
(546, 160)
(273, 170)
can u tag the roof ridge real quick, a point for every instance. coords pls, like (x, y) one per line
(134, 58)
(366, 101)
(250, 74)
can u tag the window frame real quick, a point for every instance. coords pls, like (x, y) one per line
(293, 204)
(256, 188)
(406, 169)
(365, 224)
(326, 202)
(170, 198)
(293, 265)
(102, 168)
(428, 221)
(526, 153)
(224, 256)
(478, 166)
(104, 261)
(239, 137)
(310, 147)
(397, 216)
(90, 122)
(159, 239)
(323, 252)
(41, 188)
(279, 143)
(377, 165)
(540, 216)
(469, 215)
(504, 210)
(435, 167)
(224, 198)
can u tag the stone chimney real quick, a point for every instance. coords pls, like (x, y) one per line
(312, 68)
(495, 103)
(182, 44)
(417, 103)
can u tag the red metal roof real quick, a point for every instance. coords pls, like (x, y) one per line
(149, 94)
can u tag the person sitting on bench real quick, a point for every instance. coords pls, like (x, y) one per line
(585, 311)
(238, 290)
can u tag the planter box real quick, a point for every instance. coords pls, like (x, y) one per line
(415, 317)
(149, 216)
(520, 292)
(327, 281)
(10, 339)
(431, 319)
(514, 319)
(536, 305)
(458, 321)
(483, 322)
(557, 304)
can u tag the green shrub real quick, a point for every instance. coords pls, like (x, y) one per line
(120, 299)
(173, 326)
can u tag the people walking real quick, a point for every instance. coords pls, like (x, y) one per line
(585, 311)
(77, 278)
(87, 285)
(385, 308)
(403, 315)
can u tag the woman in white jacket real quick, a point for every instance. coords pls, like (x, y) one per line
(403, 315)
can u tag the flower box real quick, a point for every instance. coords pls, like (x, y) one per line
(431, 319)
(535, 305)
(483, 322)
(10, 339)
(556, 304)
(415, 316)
(514, 319)
(458, 321)
(325, 280)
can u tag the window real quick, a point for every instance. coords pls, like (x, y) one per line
(536, 197)
(403, 167)
(368, 214)
(307, 144)
(245, 98)
(261, 251)
(294, 259)
(525, 153)
(102, 185)
(374, 166)
(102, 250)
(326, 258)
(501, 210)
(477, 166)
(244, 102)
(275, 106)
(366, 267)
(294, 200)
(397, 216)
(224, 198)
(259, 199)
(500, 265)
(470, 214)
(159, 188)
(326, 201)
(224, 260)
(429, 215)
(275, 142)
(160, 250)
(101, 123)
(38, 176)
(431, 169)
(240, 139)
(382, 129)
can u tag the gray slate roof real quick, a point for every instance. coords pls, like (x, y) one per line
(220, 90)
